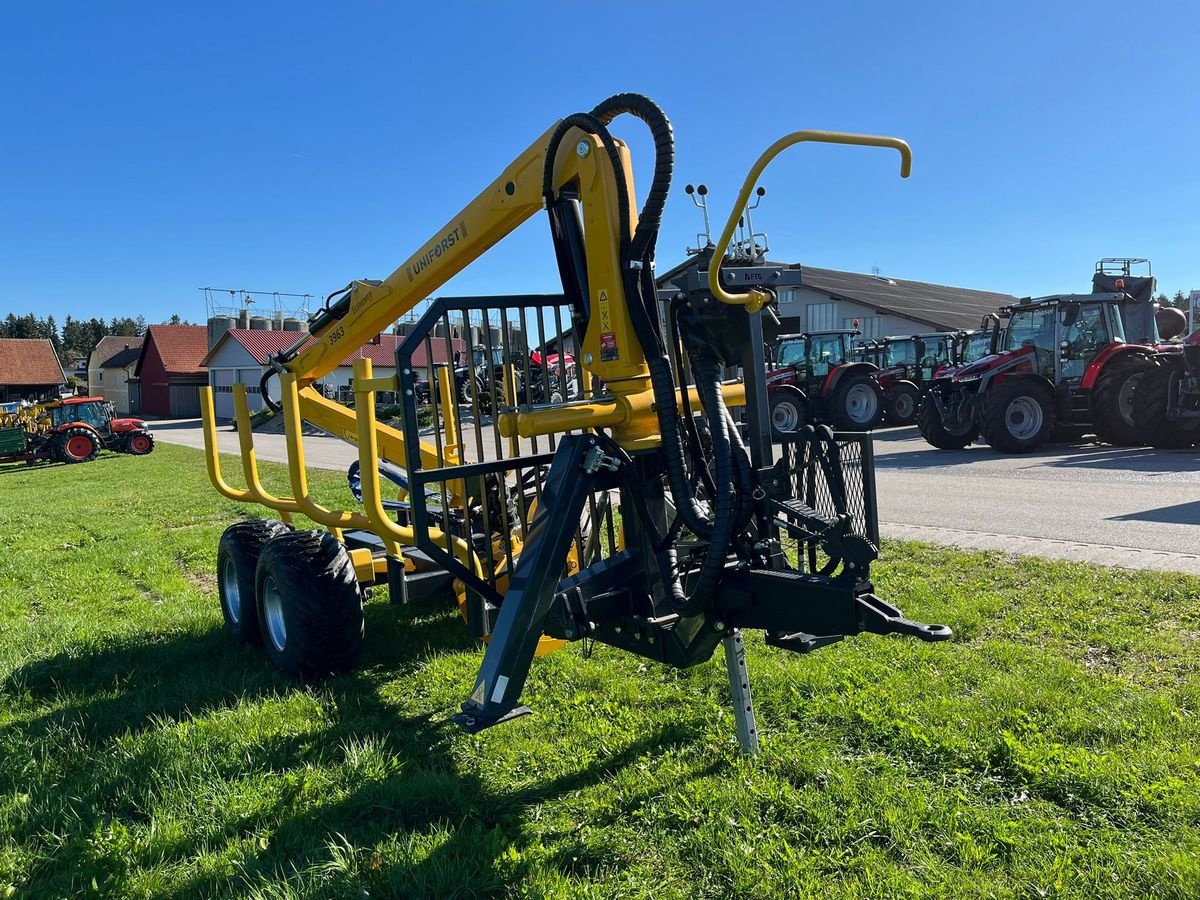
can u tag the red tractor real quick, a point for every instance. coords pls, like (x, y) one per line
(1067, 365)
(906, 365)
(1166, 405)
(70, 431)
(816, 382)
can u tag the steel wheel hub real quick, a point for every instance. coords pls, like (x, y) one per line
(1023, 418)
(904, 405)
(1125, 397)
(272, 602)
(785, 417)
(229, 591)
(861, 404)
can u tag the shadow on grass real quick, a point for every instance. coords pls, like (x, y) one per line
(460, 827)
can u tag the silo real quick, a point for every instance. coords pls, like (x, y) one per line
(260, 323)
(293, 324)
(217, 326)
(244, 318)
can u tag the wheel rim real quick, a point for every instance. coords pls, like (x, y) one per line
(785, 416)
(140, 443)
(78, 447)
(272, 602)
(904, 405)
(1023, 418)
(229, 591)
(1125, 397)
(861, 404)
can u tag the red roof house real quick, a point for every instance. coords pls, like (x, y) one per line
(169, 373)
(29, 370)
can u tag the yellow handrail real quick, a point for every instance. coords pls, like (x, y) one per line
(285, 506)
(756, 298)
(208, 421)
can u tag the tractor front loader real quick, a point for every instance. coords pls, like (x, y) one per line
(642, 515)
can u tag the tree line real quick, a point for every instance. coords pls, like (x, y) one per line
(77, 337)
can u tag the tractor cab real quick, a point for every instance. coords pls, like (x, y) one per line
(94, 412)
(817, 379)
(1064, 334)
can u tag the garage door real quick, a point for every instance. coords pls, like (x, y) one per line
(222, 385)
(250, 378)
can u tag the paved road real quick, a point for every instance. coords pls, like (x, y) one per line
(1133, 508)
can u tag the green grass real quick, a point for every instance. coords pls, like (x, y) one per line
(1052, 749)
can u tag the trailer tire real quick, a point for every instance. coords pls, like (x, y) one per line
(76, 445)
(857, 403)
(1113, 399)
(1018, 416)
(1150, 410)
(935, 432)
(310, 605)
(237, 561)
(902, 403)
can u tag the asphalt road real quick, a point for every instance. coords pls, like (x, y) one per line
(1135, 508)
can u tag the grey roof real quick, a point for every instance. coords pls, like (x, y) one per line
(939, 306)
(123, 358)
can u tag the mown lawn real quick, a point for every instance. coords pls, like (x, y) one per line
(1052, 749)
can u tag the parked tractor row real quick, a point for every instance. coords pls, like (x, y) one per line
(68, 431)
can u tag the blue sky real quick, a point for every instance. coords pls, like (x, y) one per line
(151, 149)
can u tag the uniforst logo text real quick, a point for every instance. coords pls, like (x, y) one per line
(451, 238)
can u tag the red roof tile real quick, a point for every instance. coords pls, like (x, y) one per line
(29, 361)
(181, 347)
(262, 344)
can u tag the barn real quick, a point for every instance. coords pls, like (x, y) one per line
(168, 375)
(29, 370)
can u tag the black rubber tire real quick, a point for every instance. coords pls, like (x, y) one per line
(1112, 420)
(994, 424)
(1150, 409)
(789, 403)
(929, 422)
(237, 561)
(71, 435)
(127, 445)
(841, 415)
(320, 605)
(902, 404)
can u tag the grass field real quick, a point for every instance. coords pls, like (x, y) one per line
(1052, 749)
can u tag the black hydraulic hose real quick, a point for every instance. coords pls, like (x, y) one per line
(699, 464)
(262, 390)
(592, 125)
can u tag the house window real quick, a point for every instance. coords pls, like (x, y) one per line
(870, 326)
(100, 375)
(821, 317)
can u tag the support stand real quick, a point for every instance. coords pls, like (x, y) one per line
(739, 687)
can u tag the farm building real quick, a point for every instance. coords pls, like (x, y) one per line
(168, 375)
(240, 357)
(29, 370)
(110, 366)
(829, 299)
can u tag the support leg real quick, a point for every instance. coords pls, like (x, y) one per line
(739, 686)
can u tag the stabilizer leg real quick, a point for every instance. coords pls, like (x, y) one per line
(532, 589)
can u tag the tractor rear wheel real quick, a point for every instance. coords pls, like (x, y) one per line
(237, 560)
(857, 403)
(1112, 401)
(310, 605)
(1150, 410)
(139, 443)
(789, 412)
(76, 445)
(933, 429)
(1018, 417)
(902, 402)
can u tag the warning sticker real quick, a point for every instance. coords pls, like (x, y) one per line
(478, 694)
(608, 347)
(602, 304)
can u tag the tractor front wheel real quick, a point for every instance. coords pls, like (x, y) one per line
(237, 560)
(857, 403)
(789, 412)
(1018, 417)
(310, 605)
(139, 443)
(1112, 401)
(1150, 410)
(77, 445)
(902, 402)
(933, 429)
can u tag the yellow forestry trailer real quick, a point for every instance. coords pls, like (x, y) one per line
(647, 512)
